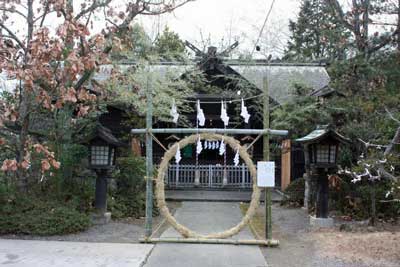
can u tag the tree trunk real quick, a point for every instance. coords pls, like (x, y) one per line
(395, 140)
(22, 183)
(366, 5)
(373, 204)
(398, 25)
(24, 109)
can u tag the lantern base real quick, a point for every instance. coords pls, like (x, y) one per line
(321, 222)
(101, 218)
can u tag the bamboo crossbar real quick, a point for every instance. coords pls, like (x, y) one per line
(266, 243)
(211, 130)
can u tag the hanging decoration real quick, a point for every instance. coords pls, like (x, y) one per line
(222, 148)
(200, 114)
(211, 144)
(244, 113)
(178, 156)
(236, 158)
(174, 112)
(199, 146)
(224, 116)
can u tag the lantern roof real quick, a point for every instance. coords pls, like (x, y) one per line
(106, 135)
(323, 132)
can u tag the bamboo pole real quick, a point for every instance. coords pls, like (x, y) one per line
(267, 243)
(149, 161)
(212, 130)
(268, 193)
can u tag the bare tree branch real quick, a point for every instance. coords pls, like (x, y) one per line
(386, 175)
(384, 42)
(13, 36)
(358, 27)
(383, 23)
(11, 10)
(338, 11)
(46, 11)
(367, 144)
(134, 9)
(95, 5)
(395, 140)
(391, 115)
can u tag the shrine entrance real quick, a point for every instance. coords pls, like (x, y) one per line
(209, 135)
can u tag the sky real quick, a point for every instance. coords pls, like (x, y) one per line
(217, 23)
(221, 22)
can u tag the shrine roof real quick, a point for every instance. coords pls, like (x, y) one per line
(282, 78)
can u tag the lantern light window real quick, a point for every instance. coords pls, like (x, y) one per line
(100, 155)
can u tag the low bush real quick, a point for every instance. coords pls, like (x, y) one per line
(32, 216)
(294, 193)
(128, 198)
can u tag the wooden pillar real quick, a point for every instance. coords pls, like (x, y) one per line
(135, 147)
(286, 164)
(307, 179)
(307, 189)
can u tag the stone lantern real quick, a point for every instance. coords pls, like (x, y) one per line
(321, 149)
(102, 154)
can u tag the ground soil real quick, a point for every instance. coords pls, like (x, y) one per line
(348, 244)
(358, 246)
(128, 230)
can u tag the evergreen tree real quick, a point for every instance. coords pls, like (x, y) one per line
(169, 46)
(135, 44)
(316, 34)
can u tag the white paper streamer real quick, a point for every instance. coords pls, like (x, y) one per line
(236, 158)
(213, 145)
(222, 148)
(224, 116)
(200, 114)
(244, 113)
(178, 155)
(199, 147)
(174, 112)
(217, 145)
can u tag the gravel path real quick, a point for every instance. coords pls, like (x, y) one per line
(302, 246)
(205, 218)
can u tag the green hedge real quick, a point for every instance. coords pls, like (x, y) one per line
(128, 198)
(36, 217)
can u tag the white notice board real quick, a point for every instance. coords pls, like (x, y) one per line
(266, 174)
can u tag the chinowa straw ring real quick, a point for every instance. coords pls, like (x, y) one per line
(160, 188)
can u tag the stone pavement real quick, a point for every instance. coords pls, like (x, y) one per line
(215, 195)
(26, 253)
(207, 217)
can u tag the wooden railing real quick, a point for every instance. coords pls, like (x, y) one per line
(210, 176)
